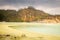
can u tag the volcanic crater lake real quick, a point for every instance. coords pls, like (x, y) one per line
(41, 28)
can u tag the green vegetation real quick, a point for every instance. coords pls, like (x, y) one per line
(29, 14)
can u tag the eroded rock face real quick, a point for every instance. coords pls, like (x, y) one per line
(50, 21)
(29, 14)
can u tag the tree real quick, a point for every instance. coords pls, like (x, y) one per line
(2, 17)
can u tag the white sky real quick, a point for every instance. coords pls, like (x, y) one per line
(49, 6)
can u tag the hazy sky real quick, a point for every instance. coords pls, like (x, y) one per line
(49, 6)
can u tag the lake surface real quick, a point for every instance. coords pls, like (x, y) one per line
(42, 28)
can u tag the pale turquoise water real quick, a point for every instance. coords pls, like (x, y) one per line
(42, 28)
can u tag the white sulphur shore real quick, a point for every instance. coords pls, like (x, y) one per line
(47, 31)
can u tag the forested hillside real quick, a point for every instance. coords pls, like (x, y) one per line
(29, 14)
